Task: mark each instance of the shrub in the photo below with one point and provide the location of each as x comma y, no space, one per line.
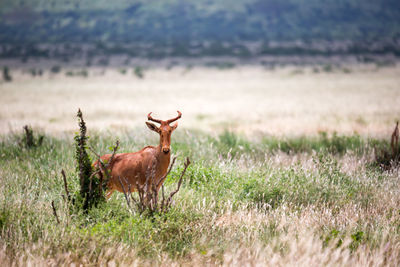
385,158
91,188
55,69
138,71
6,74
29,140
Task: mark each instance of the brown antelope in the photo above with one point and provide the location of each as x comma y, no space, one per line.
132,169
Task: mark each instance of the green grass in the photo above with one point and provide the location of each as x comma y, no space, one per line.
327,185
237,195
332,144
171,232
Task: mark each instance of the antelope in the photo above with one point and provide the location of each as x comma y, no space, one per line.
131,169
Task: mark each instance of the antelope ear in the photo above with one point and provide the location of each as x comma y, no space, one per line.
153,127
174,126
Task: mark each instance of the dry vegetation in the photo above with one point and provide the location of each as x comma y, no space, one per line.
286,101
270,191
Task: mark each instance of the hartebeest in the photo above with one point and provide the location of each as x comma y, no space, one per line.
129,170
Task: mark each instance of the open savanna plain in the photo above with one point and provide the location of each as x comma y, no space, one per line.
283,166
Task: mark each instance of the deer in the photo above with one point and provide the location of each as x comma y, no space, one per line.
142,168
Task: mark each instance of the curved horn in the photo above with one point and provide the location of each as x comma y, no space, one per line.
151,119
174,119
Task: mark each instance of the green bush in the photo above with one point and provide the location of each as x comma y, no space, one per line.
91,188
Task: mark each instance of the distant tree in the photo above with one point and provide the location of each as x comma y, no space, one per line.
6,74
55,69
138,71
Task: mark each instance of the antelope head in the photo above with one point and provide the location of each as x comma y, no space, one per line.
165,130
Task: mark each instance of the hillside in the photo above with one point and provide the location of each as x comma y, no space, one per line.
189,25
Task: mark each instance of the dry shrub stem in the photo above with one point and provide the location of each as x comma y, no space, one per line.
148,193
125,194
103,168
65,185
168,203
394,142
55,212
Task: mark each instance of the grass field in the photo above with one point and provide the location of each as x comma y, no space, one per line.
283,167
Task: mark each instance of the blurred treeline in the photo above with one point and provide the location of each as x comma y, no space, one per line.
202,27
